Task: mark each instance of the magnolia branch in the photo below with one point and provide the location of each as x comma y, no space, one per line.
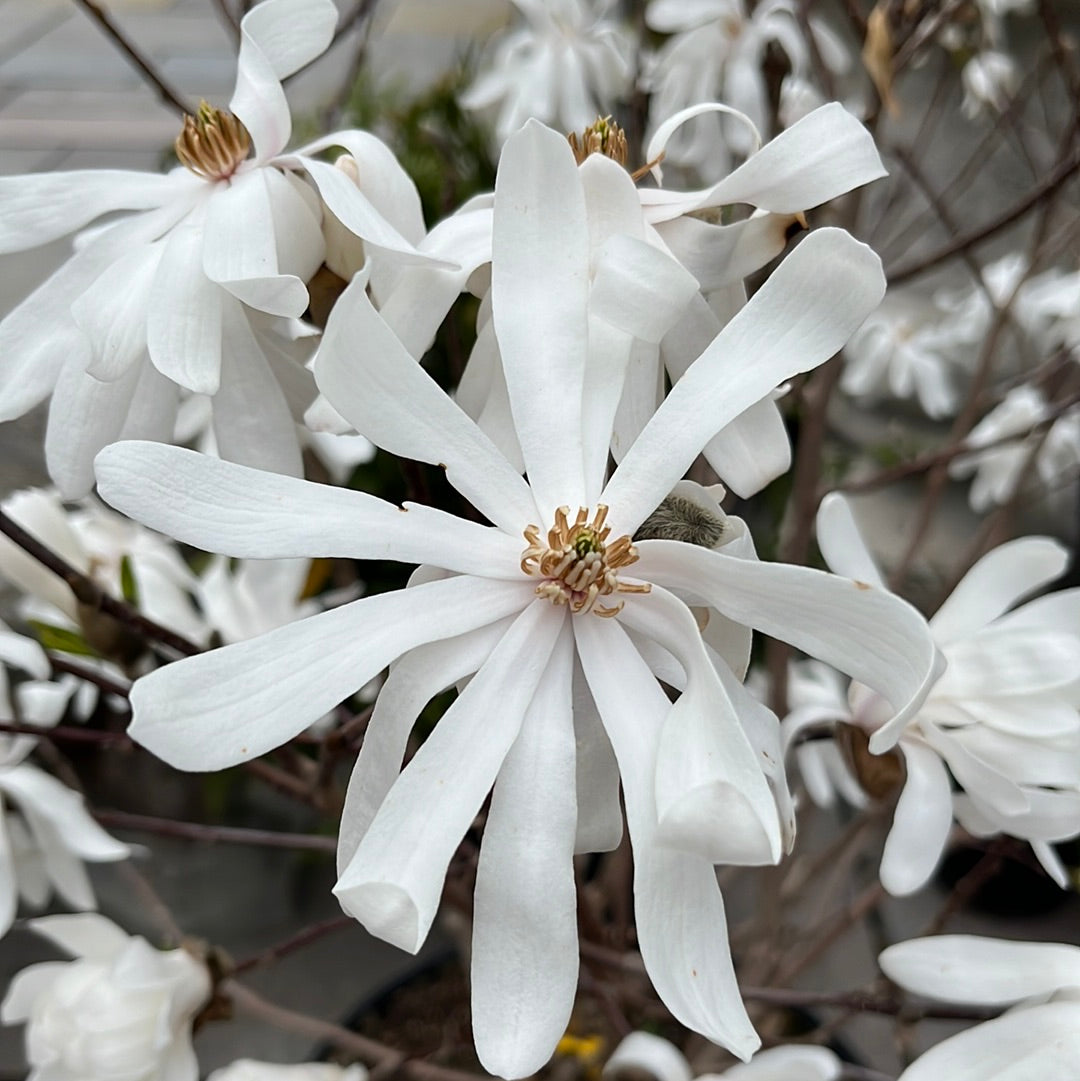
89,593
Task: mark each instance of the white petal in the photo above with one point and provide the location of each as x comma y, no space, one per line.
45,206
183,329
222,507
711,794
653,1054
869,634
394,881
389,398
252,421
823,155
239,248
1008,662
84,416
113,311
610,350
981,971
798,319
25,988
679,912
752,451
524,944
291,33
9,898
540,293
85,935
235,703
999,580
921,823
1029,1045
22,652
842,544
414,680
788,1064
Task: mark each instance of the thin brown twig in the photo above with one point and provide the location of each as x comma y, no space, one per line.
107,683
89,593
212,834
296,942
67,733
94,10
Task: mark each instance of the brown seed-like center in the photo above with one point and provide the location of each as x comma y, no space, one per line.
577,564
212,143
607,138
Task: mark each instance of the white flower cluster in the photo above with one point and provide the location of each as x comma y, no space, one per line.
592,607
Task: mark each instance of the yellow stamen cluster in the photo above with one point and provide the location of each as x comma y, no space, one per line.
212,143
603,137
577,564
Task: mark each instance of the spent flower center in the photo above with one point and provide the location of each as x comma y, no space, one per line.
212,143
578,564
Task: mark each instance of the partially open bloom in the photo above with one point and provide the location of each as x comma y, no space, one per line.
1002,718
568,62
1005,446
642,1052
121,1010
45,830
1038,1038
196,291
561,618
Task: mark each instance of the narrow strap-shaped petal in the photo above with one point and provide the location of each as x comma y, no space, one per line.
865,632
27,985
9,899
524,943
236,703
656,1056
799,318
1028,1045
223,507
1001,579
239,248
981,971
414,680
825,154
921,823
85,934
679,913
45,206
394,880
389,398
252,421
711,795
842,544
795,1063
183,329
599,817
540,293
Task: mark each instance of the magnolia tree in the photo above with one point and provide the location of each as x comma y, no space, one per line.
450,512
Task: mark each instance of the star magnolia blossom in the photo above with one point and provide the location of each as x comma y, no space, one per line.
121,1010
825,155
45,831
568,63
642,1052
197,290
1038,1038
1002,717
246,1069
715,53
545,608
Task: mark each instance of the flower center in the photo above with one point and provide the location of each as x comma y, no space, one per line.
577,564
212,143
607,138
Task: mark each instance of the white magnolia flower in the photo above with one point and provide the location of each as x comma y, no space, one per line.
195,291
120,556
569,62
642,1052
246,1069
990,79
45,831
121,1010
1039,1038
1002,719
906,348
715,53
545,608
1001,468
633,231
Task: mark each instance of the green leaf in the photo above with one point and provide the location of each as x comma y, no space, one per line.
62,639
129,588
